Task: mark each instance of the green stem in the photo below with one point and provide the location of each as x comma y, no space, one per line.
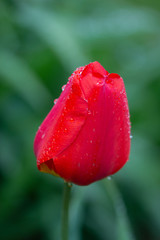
65,210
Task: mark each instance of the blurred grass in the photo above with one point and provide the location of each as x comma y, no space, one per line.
41,43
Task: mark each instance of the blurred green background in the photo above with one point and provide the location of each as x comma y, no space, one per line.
41,44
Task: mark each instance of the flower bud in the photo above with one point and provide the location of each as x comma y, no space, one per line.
86,135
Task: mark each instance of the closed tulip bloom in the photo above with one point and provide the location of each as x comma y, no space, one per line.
86,135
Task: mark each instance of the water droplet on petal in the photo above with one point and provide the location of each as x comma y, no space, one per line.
43,136
89,112
109,178
94,129
39,129
91,141
63,87
55,101
131,136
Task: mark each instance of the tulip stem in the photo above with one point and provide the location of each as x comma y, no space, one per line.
65,210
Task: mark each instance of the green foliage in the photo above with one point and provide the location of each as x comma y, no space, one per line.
41,44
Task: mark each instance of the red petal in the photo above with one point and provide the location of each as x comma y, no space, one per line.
103,144
62,125
92,75
86,136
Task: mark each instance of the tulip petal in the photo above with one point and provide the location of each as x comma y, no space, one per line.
92,75
103,144
86,136
61,126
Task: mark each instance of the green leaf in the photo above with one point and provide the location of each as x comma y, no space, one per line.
16,73
54,30
124,231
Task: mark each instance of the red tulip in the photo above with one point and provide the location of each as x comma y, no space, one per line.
86,135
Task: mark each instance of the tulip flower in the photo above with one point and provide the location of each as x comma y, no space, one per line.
86,135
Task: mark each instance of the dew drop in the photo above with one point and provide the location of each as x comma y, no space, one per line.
131,136
55,101
89,112
63,87
109,178
94,129
43,136
91,141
